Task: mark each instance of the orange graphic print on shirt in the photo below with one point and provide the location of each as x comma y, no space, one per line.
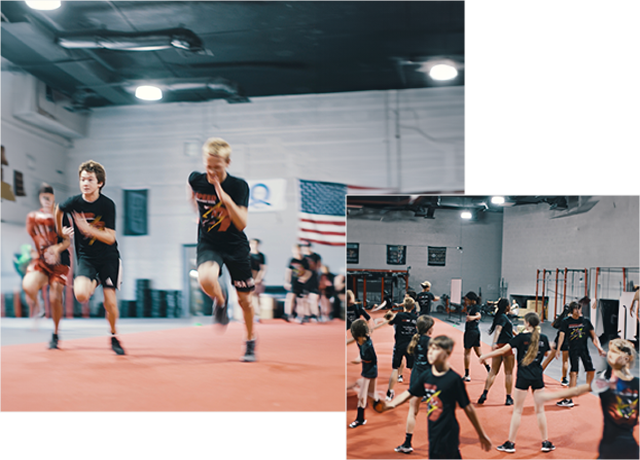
434,404
215,215
95,222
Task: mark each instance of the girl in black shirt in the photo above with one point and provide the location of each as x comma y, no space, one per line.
532,347
503,334
418,347
360,332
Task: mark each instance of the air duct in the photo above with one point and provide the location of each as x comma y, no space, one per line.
179,38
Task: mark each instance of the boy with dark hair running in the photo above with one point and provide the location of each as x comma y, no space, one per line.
52,265
94,222
443,388
222,201
576,329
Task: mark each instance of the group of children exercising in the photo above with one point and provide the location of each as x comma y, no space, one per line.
434,382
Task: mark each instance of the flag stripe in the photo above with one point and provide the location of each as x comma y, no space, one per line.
322,232
320,218
315,236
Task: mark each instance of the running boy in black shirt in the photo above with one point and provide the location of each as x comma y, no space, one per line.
443,387
360,332
405,328
576,329
94,222
222,201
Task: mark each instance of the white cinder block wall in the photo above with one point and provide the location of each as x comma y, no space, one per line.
40,157
478,264
346,137
605,236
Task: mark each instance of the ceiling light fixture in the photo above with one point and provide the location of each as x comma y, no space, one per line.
44,5
149,93
466,215
443,72
497,200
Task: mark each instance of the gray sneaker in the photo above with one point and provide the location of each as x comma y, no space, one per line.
250,353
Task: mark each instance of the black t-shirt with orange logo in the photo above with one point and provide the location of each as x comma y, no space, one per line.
215,225
99,214
442,392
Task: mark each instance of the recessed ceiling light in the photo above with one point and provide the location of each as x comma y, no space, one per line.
497,200
45,5
466,215
149,93
443,72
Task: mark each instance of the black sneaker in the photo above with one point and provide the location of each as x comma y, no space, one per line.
509,401
220,315
53,344
507,447
565,403
390,395
250,353
400,379
115,346
482,399
467,378
357,423
285,317
547,446
404,449
565,382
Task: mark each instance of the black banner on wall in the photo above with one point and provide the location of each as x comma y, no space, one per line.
437,256
353,253
396,255
135,212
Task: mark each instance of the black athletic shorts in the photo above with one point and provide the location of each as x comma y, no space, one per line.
524,383
400,350
471,338
107,272
576,355
297,288
565,342
312,286
239,267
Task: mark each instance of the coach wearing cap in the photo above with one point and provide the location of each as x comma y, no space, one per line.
425,298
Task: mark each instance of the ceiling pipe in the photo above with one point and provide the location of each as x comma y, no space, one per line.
178,38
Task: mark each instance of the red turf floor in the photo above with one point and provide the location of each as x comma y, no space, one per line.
574,431
299,368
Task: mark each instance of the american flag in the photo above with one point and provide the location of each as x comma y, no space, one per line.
322,212
322,216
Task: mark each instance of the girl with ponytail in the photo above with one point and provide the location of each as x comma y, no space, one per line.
504,332
532,346
418,348
564,347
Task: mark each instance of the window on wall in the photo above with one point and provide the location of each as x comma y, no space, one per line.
396,255
353,253
436,256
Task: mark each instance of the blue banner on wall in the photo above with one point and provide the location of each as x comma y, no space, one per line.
135,212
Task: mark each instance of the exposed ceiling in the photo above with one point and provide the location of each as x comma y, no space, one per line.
96,53
412,207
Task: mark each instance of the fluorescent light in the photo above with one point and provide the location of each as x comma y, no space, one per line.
466,214
497,200
46,5
443,72
193,273
149,93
